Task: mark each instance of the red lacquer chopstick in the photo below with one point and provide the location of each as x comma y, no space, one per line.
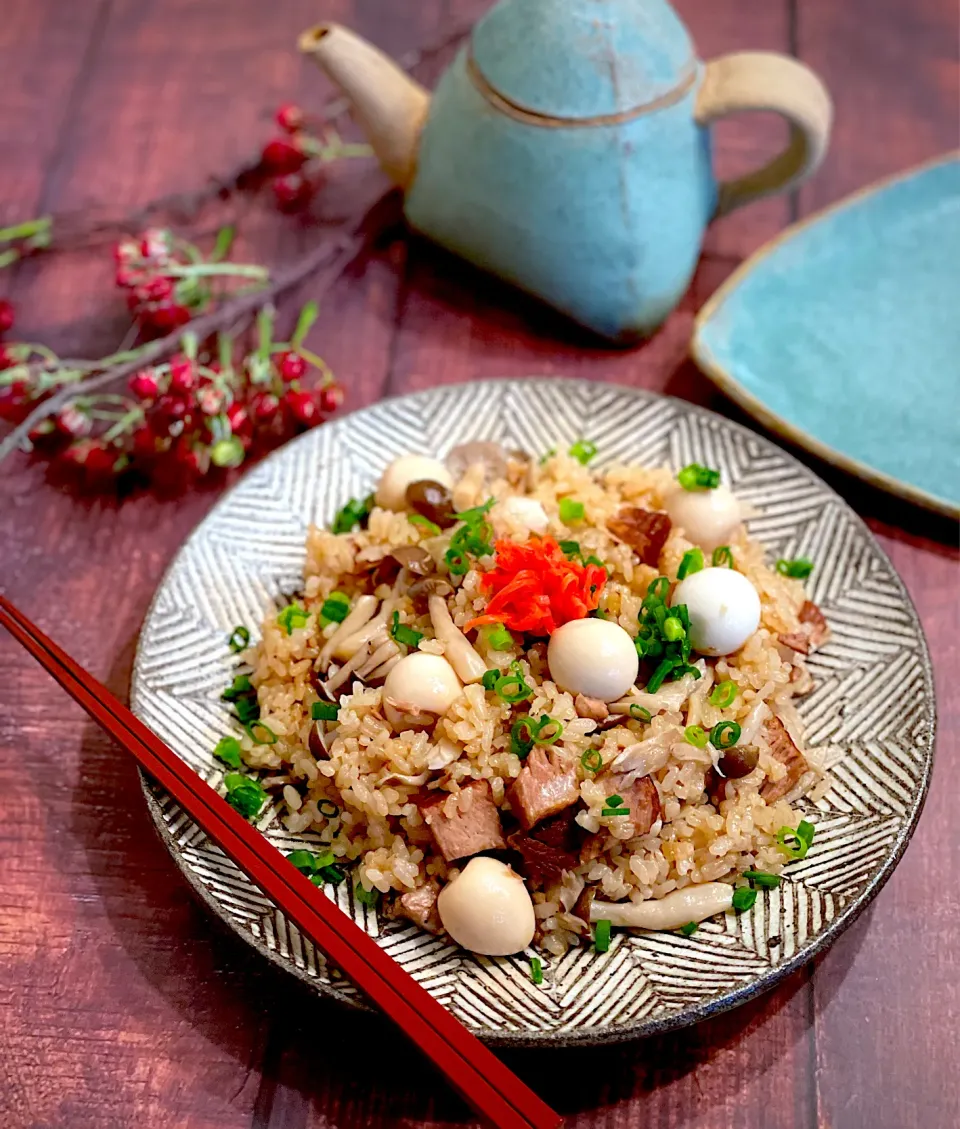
491,1089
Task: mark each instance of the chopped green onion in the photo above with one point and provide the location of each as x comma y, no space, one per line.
722,557
333,874
689,929
795,844
403,634
660,674
614,801
614,811
762,879
571,511
536,971
354,513
476,514
366,897
309,863
228,750
592,760
335,608
696,735
640,712
324,711
248,709
523,734
456,562
489,680
571,548
429,527
697,477
798,569
239,638
658,589
725,734
549,730
744,898
245,794
268,737
583,451
242,686
499,638
601,936
328,809
692,562
291,617
723,694
549,455
512,687
594,560
672,629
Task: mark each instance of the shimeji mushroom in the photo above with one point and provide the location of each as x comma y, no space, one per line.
457,648
361,612
401,473
692,903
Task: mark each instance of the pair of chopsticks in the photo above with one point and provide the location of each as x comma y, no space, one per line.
480,1077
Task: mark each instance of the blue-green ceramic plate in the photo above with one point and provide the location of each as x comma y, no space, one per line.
843,335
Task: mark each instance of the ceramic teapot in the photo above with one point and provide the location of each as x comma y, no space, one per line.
567,148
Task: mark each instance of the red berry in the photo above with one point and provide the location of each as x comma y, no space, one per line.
14,401
126,251
100,463
7,357
239,420
72,422
6,315
158,288
144,384
211,399
144,443
293,192
166,315
282,156
183,378
171,410
155,243
291,366
127,277
290,117
302,407
264,406
330,398
45,431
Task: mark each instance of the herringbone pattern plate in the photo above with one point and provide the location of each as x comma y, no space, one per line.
248,555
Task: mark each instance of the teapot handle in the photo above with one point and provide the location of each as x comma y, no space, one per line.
764,80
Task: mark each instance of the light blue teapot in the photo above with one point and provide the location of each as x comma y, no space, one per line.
567,148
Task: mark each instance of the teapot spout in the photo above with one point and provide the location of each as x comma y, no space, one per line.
388,105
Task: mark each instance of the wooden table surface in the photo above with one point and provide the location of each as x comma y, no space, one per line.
121,1003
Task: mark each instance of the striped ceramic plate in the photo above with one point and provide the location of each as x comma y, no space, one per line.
247,556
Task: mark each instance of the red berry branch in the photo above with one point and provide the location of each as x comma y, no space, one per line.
191,397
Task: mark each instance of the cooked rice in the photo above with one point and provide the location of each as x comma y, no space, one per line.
374,776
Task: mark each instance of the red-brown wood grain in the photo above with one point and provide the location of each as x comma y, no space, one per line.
121,1003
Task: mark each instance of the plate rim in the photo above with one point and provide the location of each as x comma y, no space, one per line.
686,1016
706,360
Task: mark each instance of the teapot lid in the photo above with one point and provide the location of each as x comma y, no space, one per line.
579,59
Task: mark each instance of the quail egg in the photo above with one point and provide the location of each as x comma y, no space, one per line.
708,517
487,909
419,689
593,657
724,609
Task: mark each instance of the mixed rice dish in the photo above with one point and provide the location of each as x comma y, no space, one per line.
521,702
